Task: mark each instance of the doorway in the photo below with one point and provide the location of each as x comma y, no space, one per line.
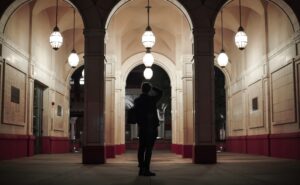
38,117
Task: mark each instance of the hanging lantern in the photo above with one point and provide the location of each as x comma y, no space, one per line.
148,73
241,39
148,59
148,38
73,59
222,59
55,39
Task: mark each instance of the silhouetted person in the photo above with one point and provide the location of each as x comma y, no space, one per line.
148,122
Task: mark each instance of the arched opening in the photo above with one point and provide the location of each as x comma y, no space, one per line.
160,80
172,52
220,109
77,108
257,75
38,74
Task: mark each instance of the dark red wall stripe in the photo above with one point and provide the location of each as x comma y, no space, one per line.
276,145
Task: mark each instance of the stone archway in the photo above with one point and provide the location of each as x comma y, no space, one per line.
168,66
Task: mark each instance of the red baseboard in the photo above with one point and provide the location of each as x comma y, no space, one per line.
110,151
30,150
52,145
15,146
236,144
176,148
120,149
258,145
275,145
285,145
187,151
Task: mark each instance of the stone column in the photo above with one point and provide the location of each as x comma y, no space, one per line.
110,109
204,147
93,150
188,100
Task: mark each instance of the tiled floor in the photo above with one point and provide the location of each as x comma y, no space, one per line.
171,169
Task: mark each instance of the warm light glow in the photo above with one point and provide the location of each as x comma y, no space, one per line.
56,40
222,59
148,73
148,38
148,59
73,59
81,81
241,39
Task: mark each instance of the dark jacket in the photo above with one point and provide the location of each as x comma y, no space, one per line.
146,114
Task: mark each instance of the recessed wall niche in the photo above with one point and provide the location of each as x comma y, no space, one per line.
254,104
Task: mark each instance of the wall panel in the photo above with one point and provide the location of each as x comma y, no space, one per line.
283,102
14,110
255,102
238,113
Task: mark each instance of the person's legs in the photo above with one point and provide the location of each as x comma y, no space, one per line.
148,155
141,156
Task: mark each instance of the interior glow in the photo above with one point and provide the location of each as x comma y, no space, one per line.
56,40
148,59
241,39
73,59
148,73
222,59
148,38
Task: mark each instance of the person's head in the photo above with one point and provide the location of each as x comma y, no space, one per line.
146,87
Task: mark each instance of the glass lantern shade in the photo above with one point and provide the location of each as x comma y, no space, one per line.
148,38
241,39
73,59
148,59
148,73
56,40
222,59
82,73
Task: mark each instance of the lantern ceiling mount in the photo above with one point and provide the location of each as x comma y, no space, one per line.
241,38
56,39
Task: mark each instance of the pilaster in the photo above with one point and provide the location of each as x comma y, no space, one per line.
204,146
93,151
